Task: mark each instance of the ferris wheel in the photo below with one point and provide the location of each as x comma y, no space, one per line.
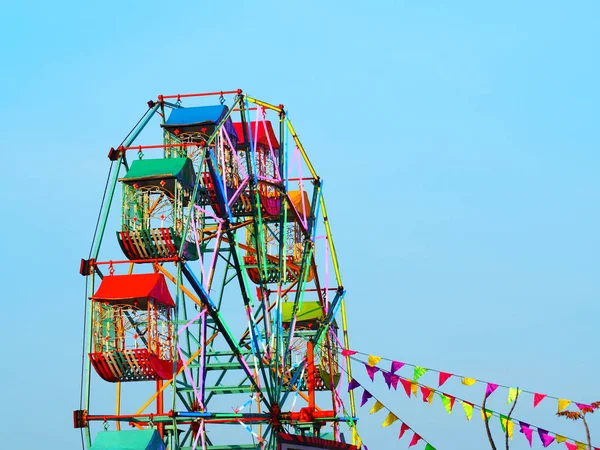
221,295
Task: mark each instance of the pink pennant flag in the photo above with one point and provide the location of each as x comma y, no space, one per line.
489,390
406,385
527,431
537,398
426,391
545,437
585,408
416,438
348,352
571,446
371,370
403,429
444,377
365,397
396,366
353,384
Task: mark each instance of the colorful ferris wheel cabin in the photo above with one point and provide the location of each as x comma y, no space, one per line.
156,196
132,331
324,359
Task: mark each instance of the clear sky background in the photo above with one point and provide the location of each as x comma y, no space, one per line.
458,142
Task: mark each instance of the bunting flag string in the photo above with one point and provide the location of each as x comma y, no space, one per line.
411,388
390,417
419,371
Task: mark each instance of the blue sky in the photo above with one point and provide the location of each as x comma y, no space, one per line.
458,142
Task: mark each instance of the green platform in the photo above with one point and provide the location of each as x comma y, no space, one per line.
128,440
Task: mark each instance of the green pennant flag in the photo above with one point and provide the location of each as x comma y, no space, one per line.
447,403
468,410
503,420
429,447
512,394
419,372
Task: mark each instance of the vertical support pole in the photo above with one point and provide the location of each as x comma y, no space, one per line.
88,349
310,355
118,405
159,405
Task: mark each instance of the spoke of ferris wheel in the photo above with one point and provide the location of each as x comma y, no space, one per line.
107,201
304,268
219,321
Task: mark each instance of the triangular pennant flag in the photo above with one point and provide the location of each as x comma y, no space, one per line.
387,376
430,397
416,438
425,391
443,378
373,360
348,352
376,407
414,386
527,431
390,419
365,397
468,407
403,429
419,372
580,445
491,387
468,381
570,446
537,398
448,402
353,384
371,371
512,394
406,385
395,379
562,404
396,366
545,437
560,438
507,425
584,407
485,415
429,447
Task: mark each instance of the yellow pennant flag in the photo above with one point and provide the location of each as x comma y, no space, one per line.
562,404
376,407
512,394
581,445
468,381
560,438
390,419
373,360
468,410
430,396
413,387
486,415
507,425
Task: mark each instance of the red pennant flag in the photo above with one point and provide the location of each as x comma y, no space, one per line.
406,386
451,400
537,398
403,429
416,438
348,352
444,377
426,391
571,446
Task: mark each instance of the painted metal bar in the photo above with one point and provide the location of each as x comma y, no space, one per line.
113,181
279,108
202,94
301,148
